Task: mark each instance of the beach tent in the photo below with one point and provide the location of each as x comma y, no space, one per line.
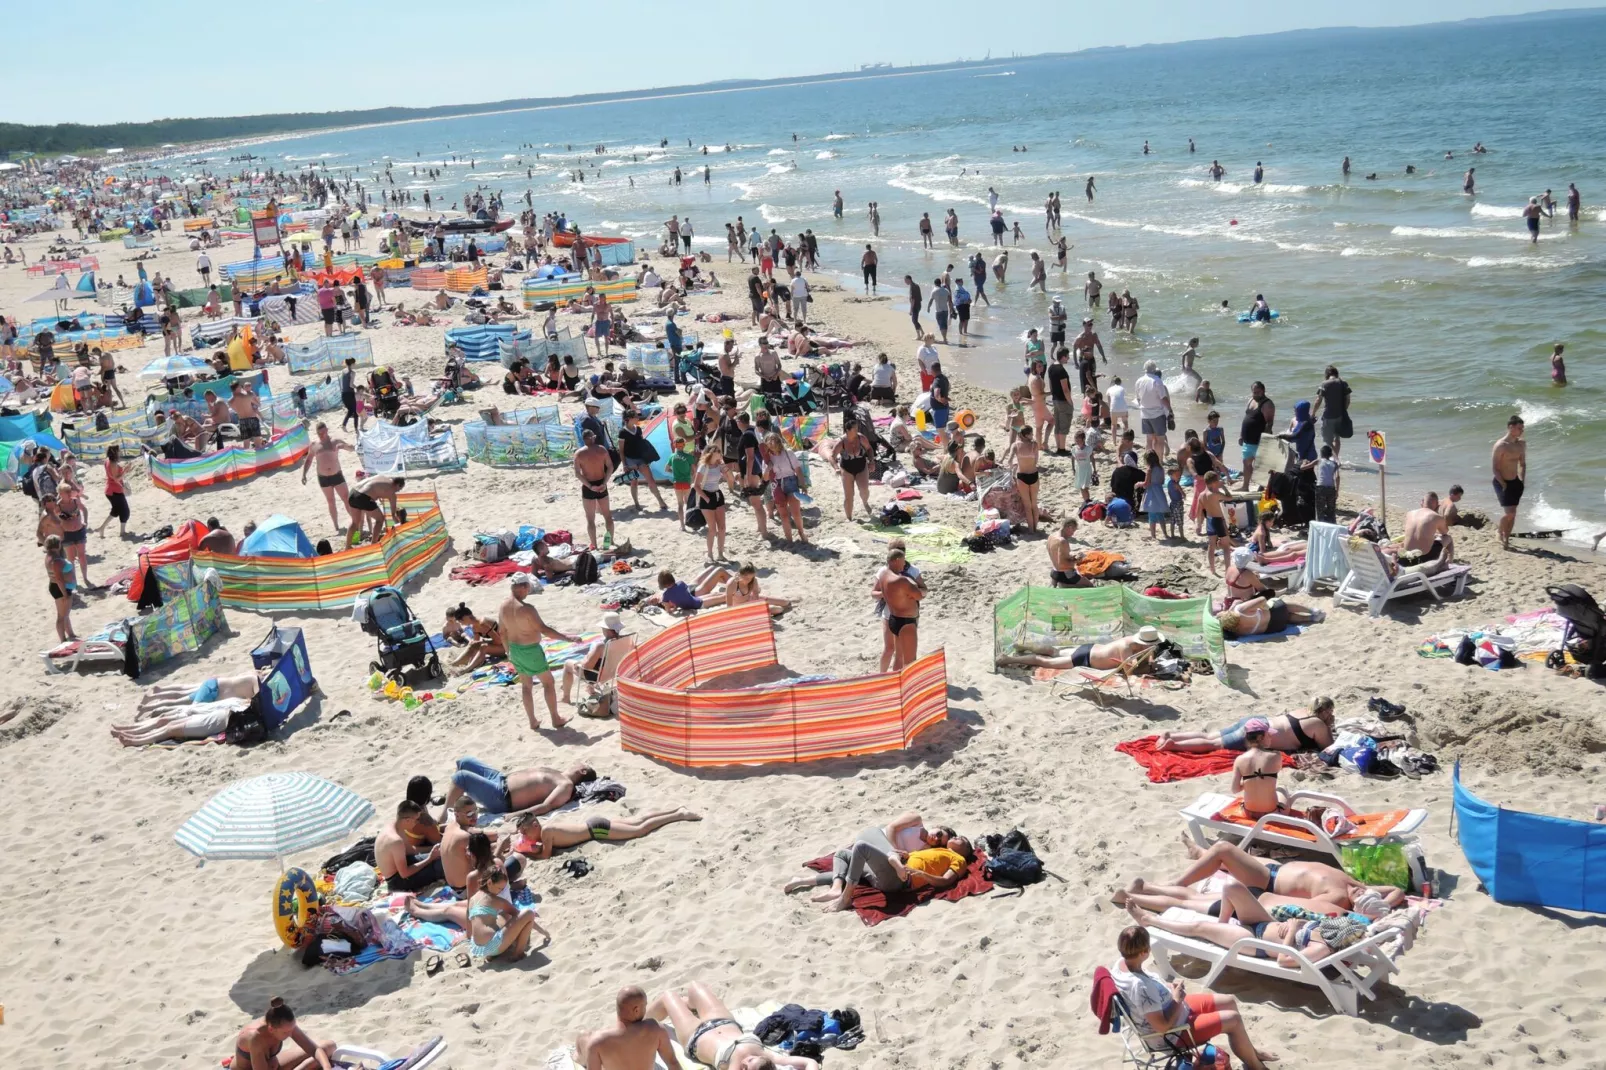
27,425
1053,616
1532,858
278,536
86,285
175,549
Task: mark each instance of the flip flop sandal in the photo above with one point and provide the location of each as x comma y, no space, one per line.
463,960
433,965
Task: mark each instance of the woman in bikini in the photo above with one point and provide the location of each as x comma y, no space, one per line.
487,644
1254,772
1023,453
948,472
496,928
1302,932
706,478
1041,420
540,838
705,1028
1289,733
275,1042
72,520
60,571
744,589
1265,616
852,460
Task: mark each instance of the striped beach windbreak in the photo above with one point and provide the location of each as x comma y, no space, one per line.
231,463
661,715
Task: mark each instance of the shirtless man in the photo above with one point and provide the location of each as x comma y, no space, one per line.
247,409
1109,655
1299,880
522,629
538,790
902,596
364,502
1091,290
1427,538
1084,344
218,539
455,859
1449,509
402,872
593,467
325,453
1062,559
1509,462
218,414
631,1042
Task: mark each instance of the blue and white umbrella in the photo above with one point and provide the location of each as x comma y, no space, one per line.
175,366
272,816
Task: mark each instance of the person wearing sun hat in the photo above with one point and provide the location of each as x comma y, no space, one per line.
1111,655
591,667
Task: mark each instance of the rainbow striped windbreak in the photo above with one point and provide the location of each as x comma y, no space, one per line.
303,584
232,463
660,716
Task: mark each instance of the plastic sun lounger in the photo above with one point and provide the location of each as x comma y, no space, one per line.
1344,977
1368,579
424,1055
1285,830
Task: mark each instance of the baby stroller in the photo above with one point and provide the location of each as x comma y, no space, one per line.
883,457
403,640
1585,634
796,398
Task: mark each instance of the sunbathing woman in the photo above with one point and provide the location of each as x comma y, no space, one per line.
275,1042
1265,616
705,1028
171,697
1289,733
907,832
1315,939
931,867
537,840
1242,582
483,856
497,928
744,589
1254,772
1227,899
485,646
1109,655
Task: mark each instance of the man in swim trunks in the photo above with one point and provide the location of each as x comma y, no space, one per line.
402,871
1109,655
593,467
171,697
902,622
705,1028
522,630
538,790
537,839
325,453
1428,544
1298,880
1062,559
1509,462
632,1042
367,514
1258,417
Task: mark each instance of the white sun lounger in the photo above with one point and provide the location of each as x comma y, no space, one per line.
1355,971
1367,578
420,1057
1201,816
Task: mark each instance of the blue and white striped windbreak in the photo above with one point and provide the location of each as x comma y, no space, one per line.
273,816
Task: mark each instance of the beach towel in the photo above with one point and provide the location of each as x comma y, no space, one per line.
874,907
1366,825
395,943
1098,562
1291,630
1167,766
486,572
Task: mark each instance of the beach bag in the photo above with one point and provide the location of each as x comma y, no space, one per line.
1092,512
585,569
602,704
1015,867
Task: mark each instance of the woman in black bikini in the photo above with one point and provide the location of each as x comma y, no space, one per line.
948,472
1308,732
1252,770
852,460
275,1042
486,645
1024,452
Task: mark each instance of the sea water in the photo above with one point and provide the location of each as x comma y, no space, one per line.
1433,305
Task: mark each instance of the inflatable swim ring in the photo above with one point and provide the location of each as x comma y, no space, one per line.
295,901
1249,317
966,419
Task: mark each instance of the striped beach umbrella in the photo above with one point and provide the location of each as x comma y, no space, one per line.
272,816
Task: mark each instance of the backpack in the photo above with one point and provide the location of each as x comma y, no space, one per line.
585,569
1011,860
1092,511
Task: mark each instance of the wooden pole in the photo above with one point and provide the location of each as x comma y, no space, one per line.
1383,494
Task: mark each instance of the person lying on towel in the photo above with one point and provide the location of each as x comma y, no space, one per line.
934,867
1109,655
1265,616
1288,732
189,711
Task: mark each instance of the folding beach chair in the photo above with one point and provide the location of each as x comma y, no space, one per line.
1144,1048
1375,580
1344,977
426,1054
1123,681
1222,814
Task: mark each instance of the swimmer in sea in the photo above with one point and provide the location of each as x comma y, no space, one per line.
1467,181
1558,367
1189,354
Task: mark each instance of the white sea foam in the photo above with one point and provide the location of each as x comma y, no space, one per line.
771,214
825,154
836,137
1467,232
1279,187
778,152
779,168
1538,263
1179,232
1496,211
1546,517
747,190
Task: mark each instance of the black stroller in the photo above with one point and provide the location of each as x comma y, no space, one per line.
1585,634
403,641
883,458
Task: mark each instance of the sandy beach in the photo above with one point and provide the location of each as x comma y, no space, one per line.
125,952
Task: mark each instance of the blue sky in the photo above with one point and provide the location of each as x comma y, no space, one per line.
190,62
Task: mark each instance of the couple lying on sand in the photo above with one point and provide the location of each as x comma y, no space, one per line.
899,856
190,711
697,1018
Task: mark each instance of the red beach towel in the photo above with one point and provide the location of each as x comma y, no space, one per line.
486,572
875,907
1169,765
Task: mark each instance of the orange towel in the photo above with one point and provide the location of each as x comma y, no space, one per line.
1097,562
1366,825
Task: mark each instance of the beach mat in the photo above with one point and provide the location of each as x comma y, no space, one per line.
1164,767
875,907
1291,630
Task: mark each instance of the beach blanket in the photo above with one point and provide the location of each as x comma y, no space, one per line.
486,572
1291,630
1536,633
1098,562
875,907
1167,766
934,544
1366,825
395,943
